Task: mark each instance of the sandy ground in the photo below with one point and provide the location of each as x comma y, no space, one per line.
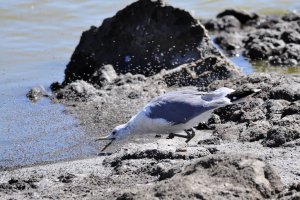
103,177
247,150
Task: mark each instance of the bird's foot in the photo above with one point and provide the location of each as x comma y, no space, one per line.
171,136
104,154
188,135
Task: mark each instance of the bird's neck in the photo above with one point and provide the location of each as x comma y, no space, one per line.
131,126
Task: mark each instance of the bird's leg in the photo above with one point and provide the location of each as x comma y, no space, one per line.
172,135
189,135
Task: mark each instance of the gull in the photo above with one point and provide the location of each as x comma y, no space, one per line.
172,113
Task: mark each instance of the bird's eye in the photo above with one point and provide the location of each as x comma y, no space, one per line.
114,132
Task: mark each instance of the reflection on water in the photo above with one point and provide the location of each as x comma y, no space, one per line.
265,67
243,64
37,39
39,132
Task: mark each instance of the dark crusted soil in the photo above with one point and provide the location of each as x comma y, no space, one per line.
274,39
271,115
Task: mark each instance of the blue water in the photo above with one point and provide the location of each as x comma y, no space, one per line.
37,132
244,64
40,132
37,39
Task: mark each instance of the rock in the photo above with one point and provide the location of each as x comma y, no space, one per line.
278,135
286,91
290,36
255,131
293,192
229,131
259,49
55,86
230,20
200,73
36,93
225,23
293,143
291,17
216,177
268,22
229,42
274,108
104,75
79,91
280,61
271,38
293,108
242,15
228,113
16,184
292,51
143,38
271,114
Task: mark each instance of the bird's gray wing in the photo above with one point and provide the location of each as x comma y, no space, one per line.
178,107
181,106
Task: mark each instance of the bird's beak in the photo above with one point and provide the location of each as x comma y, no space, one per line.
106,138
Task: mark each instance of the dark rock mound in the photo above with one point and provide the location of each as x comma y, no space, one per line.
216,177
144,38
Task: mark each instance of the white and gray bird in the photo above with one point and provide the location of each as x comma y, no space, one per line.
173,112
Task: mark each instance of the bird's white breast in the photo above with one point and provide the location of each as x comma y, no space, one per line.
141,123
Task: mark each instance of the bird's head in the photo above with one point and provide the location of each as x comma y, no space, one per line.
118,132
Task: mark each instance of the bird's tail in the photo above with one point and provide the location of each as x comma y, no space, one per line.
239,95
217,94
218,97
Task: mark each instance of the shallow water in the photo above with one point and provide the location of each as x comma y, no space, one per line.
37,39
